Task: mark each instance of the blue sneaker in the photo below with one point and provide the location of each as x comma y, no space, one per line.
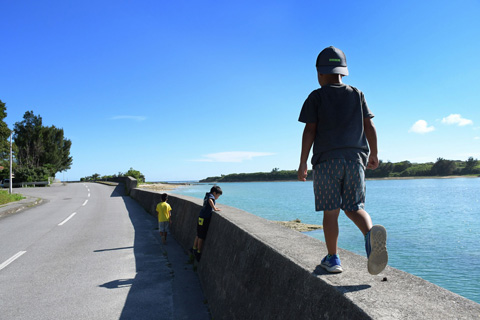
331,263
376,247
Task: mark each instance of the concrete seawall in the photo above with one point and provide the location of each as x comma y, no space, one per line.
129,182
252,268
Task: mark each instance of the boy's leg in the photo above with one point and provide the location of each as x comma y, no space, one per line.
195,243
199,245
166,229
330,230
353,200
331,262
327,179
375,240
194,248
362,220
197,253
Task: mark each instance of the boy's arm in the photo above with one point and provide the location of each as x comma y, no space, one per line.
371,134
307,141
210,201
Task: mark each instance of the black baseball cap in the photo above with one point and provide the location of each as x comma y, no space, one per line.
332,61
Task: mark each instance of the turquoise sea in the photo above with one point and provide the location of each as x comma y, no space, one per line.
433,224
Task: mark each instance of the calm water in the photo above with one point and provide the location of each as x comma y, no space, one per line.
433,224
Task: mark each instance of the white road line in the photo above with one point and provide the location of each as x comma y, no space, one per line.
15,257
69,217
83,205
89,195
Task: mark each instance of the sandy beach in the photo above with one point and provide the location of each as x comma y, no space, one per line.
161,186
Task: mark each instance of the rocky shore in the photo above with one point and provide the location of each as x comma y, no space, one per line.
299,226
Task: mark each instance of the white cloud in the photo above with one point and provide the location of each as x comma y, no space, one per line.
456,119
421,126
476,138
233,156
136,118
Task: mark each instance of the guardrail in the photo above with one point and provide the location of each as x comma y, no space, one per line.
25,184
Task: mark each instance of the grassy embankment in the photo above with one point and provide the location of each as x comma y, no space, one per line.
5,197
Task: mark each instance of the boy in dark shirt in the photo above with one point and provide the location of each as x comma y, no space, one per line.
204,219
339,125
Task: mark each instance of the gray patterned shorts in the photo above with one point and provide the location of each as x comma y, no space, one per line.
339,183
164,226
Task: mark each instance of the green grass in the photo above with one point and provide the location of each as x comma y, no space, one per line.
5,197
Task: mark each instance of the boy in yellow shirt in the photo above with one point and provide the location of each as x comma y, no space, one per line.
164,217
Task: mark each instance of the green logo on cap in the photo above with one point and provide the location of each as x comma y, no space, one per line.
334,60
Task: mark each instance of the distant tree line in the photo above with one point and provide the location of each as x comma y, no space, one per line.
130,173
274,175
39,151
441,167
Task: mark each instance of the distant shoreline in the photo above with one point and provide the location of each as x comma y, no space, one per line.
159,186
424,177
380,178
441,169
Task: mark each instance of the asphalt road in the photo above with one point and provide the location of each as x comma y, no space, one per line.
89,252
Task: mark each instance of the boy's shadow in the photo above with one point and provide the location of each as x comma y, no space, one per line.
343,289
115,284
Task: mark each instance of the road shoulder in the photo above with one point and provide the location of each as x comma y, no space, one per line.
21,205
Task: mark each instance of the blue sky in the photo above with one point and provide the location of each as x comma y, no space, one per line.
184,90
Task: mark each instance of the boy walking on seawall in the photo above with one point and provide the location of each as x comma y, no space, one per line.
338,123
204,218
164,217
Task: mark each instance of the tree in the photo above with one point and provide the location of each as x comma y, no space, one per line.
384,169
470,165
135,174
41,149
4,142
57,149
443,167
28,138
26,174
401,166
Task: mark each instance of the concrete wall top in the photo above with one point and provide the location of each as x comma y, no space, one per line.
129,182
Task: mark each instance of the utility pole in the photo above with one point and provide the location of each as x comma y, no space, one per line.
11,158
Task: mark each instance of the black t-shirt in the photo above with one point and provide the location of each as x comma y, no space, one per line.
338,110
207,209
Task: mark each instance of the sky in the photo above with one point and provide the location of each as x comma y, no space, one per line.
184,90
